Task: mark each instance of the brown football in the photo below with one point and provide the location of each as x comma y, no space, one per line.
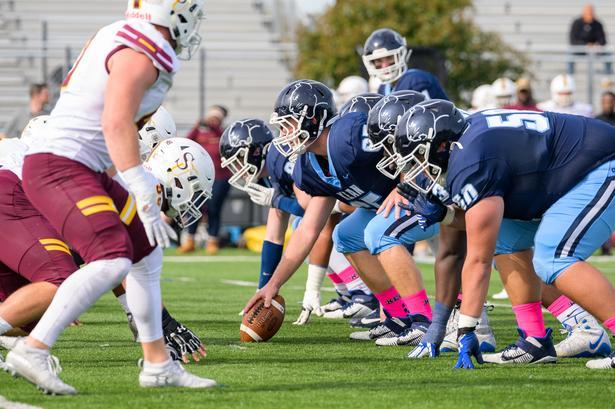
260,323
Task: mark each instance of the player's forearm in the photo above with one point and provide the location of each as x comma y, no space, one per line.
121,140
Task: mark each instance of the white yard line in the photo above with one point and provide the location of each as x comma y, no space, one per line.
7,404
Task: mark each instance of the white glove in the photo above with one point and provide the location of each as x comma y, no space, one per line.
311,304
148,198
260,195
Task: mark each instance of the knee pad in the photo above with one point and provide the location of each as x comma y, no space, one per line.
115,270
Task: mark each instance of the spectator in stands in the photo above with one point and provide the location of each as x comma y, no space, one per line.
525,101
39,98
608,108
207,133
588,31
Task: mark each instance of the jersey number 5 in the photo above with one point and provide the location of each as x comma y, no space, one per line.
504,118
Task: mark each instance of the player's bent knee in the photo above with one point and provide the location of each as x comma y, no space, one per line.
549,268
115,270
376,240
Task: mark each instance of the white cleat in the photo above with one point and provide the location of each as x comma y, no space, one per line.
586,339
449,344
8,343
603,363
38,367
352,310
335,304
484,333
171,375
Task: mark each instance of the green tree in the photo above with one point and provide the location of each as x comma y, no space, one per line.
327,49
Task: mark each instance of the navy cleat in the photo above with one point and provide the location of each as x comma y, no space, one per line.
410,336
336,303
370,321
360,305
527,350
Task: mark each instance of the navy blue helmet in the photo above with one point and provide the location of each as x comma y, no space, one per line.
424,138
360,103
243,149
381,124
381,44
301,111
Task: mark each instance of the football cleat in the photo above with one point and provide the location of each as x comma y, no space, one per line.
449,344
502,295
389,328
360,305
527,350
586,339
171,374
38,367
484,333
370,321
8,343
603,363
409,336
335,304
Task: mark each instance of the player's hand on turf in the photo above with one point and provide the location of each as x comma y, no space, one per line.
310,305
186,343
468,348
261,195
425,349
394,201
266,294
148,197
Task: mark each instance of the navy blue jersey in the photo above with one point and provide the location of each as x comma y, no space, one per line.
280,171
416,80
529,159
349,172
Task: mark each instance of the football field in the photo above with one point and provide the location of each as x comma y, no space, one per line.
315,366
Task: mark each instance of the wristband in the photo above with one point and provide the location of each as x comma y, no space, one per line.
465,321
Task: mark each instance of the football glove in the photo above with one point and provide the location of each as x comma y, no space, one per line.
261,195
424,349
182,340
468,348
427,207
311,304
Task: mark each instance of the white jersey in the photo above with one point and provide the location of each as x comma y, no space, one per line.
12,152
74,128
577,108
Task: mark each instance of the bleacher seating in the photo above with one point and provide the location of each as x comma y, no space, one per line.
540,29
244,60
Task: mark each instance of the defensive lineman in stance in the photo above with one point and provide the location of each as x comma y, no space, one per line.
120,77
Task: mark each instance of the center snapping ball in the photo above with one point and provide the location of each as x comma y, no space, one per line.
259,324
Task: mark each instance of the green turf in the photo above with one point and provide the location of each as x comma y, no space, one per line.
315,366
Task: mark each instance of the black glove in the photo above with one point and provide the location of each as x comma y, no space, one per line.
181,339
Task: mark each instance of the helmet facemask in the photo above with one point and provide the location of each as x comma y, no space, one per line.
183,207
292,140
416,164
392,72
244,173
388,164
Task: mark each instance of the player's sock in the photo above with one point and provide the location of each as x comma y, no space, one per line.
530,320
270,258
4,326
77,293
123,302
143,294
392,303
437,330
610,324
339,285
418,303
567,311
314,278
353,282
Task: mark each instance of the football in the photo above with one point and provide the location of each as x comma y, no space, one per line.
259,324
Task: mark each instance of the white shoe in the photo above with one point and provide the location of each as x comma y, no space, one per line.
502,295
449,344
352,310
604,363
484,333
8,343
38,367
586,339
172,374
336,304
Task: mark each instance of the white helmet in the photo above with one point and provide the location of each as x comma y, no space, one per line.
349,87
562,90
160,126
28,135
482,98
181,17
187,173
503,91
